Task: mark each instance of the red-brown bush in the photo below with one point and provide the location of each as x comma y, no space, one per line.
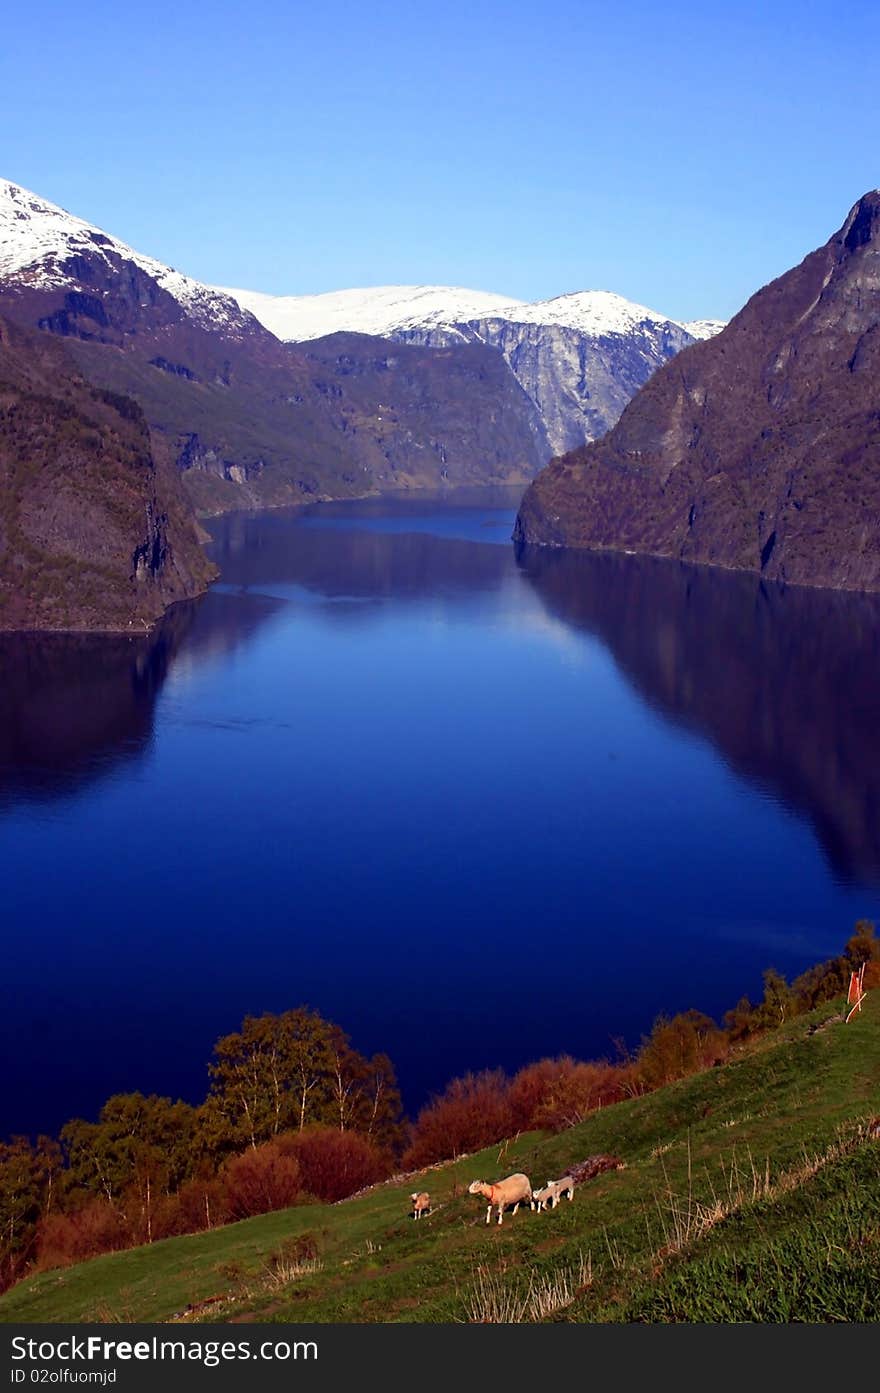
99,1227
529,1088
197,1205
334,1164
261,1179
871,979
203,1204
472,1112
580,1087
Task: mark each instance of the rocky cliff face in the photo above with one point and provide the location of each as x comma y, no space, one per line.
579,357
758,449
579,383
94,529
411,417
250,421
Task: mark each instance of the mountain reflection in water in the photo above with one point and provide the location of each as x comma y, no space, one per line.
383,744
785,682
74,706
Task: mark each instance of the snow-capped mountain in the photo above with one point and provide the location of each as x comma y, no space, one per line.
704,328
580,357
380,310
386,310
250,421
42,248
488,386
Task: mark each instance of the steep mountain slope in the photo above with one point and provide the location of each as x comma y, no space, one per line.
43,248
94,530
251,421
751,1192
579,357
759,449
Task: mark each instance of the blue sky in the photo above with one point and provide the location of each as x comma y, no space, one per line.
681,154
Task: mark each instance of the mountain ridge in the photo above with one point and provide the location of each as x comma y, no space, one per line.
257,415
249,421
758,449
40,243
386,310
579,357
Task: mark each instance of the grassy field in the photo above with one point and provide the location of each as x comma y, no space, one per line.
751,1193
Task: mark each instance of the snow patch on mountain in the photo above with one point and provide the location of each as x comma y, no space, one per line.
396,309
579,357
379,310
595,313
703,328
39,244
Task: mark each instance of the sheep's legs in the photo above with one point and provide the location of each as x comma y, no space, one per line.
489,1214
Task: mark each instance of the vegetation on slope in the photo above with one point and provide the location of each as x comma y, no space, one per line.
94,531
750,1192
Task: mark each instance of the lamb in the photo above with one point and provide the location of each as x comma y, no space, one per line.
564,1186
515,1190
552,1193
541,1199
421,1203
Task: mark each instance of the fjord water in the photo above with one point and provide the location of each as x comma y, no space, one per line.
476,808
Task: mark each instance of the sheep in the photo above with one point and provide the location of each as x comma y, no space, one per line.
542,1198
421,1203
549,1197
564,1186
515,1190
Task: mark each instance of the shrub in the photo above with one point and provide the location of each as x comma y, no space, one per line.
530,1088
334,1164
197,1205
678,1047
472,1112
579,1089
557,1093
261,1179
872,975
300,1247
740,1022
863,946
203,1204
99,1227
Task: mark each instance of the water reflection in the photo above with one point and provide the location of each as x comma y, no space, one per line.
785,682
74,707
380,740
276,550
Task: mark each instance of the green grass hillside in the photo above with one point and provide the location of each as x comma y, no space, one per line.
751,1192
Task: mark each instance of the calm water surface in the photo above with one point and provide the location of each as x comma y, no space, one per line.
474,808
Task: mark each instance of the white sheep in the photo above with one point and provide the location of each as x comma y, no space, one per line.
421,1203
542,1198
549,1197
564,1186
515,1190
